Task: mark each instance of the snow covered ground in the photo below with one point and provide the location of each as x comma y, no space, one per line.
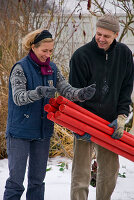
58,180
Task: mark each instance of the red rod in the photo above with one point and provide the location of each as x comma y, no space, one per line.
63,100
113,148
49,108
128,134
94,132
51,117
116,150
53,102
92,122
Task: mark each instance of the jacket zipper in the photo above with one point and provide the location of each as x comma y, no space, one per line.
106,58
42,111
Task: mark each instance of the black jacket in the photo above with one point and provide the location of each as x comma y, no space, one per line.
111,70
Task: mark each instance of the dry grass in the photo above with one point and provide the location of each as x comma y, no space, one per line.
3,151
61,142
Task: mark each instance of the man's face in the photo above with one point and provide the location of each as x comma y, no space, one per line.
104,38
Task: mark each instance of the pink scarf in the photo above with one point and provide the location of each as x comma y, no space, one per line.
45,67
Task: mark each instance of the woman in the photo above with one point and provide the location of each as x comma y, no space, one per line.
33,80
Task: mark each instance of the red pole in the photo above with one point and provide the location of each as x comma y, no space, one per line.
92,122
113,148
128,134
53,102
116,150
51,117
62,100
94,132
49,108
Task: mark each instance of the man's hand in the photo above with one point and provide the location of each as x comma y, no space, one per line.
87,93
86,137
118,125
132,130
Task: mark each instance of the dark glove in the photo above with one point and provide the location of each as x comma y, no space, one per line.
46,91
118,125
87,93
85,137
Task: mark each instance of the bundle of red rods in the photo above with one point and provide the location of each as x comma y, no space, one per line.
79,120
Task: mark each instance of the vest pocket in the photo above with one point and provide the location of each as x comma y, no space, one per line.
21,115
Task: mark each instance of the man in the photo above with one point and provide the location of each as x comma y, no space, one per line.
109,65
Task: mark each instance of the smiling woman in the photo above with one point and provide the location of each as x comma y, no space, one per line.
44,51
33,81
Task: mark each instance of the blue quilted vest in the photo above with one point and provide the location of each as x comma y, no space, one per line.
30,121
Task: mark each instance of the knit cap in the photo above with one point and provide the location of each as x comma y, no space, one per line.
109,22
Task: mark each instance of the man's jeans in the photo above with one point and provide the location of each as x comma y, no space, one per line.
18,152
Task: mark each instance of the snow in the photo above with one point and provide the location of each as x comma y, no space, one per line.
58,182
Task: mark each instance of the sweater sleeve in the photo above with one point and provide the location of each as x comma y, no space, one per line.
18,84
127,87
65,89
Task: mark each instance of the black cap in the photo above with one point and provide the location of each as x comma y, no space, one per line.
41,36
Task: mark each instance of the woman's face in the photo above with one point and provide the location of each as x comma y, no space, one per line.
44,51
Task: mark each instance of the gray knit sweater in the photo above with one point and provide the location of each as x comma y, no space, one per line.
22,97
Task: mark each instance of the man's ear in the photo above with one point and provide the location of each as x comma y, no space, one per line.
116,35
